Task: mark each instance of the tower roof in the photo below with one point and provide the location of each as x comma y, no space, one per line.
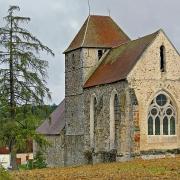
99,32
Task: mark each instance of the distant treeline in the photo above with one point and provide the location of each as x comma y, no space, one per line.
41,112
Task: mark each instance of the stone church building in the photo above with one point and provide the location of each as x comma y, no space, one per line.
122,97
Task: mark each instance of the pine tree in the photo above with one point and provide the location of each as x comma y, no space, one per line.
22,76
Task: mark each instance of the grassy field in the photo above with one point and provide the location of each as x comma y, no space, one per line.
168,168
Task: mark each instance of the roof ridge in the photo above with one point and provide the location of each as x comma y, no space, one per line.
85,30
114,47
156,32
120,61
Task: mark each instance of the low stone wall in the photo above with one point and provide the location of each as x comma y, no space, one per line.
157,154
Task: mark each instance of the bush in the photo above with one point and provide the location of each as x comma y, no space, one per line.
89,156
38,162
22,167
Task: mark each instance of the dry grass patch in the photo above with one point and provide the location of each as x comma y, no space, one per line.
168,168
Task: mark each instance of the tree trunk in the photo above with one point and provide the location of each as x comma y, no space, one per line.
13,163
11,68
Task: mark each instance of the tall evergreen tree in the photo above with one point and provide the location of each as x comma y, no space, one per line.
22,76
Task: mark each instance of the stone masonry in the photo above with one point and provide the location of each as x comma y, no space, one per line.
106,108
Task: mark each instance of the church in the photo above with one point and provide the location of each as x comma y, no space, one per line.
122,98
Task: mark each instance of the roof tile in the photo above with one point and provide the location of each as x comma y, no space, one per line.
55,123
119,62
98,31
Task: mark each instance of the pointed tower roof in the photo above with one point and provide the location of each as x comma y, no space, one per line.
99,32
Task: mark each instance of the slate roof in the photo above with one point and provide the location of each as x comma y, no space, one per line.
98,31
119,62
55,123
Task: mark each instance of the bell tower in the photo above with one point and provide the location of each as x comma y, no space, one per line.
97,35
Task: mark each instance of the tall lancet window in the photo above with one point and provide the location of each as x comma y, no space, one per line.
114,120
93,121
162,59
116,108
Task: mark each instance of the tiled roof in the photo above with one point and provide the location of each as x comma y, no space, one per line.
119,62
98,31
4,150
55,123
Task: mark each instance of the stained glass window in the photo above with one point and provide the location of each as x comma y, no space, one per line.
161,100
161,116
150,126
165,126
172,126
157,126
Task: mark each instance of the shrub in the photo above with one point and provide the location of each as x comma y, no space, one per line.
38,162
88,154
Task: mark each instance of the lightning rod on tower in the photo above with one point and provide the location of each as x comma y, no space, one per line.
109,12
89,7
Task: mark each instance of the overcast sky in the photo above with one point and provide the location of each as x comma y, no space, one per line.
56,22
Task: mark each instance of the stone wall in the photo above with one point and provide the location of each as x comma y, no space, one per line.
147,80
74,150
74,92
64,150
91,61
54,154
78,65
102,117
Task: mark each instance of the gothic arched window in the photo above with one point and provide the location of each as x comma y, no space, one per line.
117,117
114,119
93,121
116,108
161,116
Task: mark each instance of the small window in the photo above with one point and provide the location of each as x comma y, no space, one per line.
73,61
73,56
162,59
100,53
